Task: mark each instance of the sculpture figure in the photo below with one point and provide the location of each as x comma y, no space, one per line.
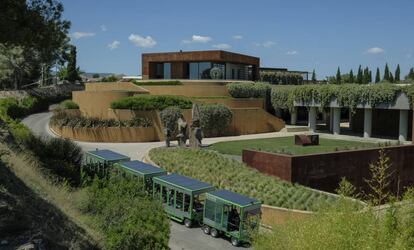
196,133
167,134
182,129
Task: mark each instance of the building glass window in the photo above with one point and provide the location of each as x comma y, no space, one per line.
204,70
167,70
193,71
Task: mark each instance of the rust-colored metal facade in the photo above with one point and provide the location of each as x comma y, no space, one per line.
180,60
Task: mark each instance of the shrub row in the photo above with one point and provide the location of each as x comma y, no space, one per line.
157,83
248,90
347,95
62,119
128,217
281,78
150,102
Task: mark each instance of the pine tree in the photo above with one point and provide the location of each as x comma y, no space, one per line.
351,77
377,76
360,77
72,70
338,76
314,76
386,73
397,74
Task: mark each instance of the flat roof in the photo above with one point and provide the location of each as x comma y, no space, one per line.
184,182
141,167
235,198
108,155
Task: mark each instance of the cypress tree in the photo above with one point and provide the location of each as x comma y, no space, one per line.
366,76
410,74
386,73
351,77
360,76
314,76
377,76
397,73
391,77
71,68
370,77
338,76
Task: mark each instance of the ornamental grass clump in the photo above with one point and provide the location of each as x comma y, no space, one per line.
221,172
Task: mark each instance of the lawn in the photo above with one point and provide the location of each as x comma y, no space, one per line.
221,172
286,145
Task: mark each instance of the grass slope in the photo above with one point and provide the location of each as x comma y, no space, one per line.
211,167
287,145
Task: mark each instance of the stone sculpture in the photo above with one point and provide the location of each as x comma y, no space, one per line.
182,132
196,133
167,134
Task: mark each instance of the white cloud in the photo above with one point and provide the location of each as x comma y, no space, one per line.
103,28
222,46
266,44
292,53
78,35
114,45
237,37
144,42
198,39
375,50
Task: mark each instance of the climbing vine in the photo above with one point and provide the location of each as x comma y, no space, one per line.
346,95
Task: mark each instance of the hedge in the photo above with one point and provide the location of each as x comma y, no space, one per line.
214,119
281,78
248,90
156,83
169,118
150,102
69,104
347,95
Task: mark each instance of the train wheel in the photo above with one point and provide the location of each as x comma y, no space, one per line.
214,232
188,223
235,242
206,229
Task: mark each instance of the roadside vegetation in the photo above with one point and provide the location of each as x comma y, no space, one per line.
286,145
151,102
221,172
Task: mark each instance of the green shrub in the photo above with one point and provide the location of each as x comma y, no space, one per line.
21,134
221,172
214,119
10,109
157,83
248,90
126,215
281,78
63,119
111,78
69,104
150,102
169,118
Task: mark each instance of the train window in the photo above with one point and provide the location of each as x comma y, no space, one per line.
197,204
186,203
210,208
157,190
171,198
164,194
179,199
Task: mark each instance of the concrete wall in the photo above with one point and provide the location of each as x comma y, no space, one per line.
253,121
115,134
324,171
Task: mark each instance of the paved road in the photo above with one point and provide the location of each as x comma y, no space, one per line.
181,238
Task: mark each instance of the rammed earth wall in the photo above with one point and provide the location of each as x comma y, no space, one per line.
324,171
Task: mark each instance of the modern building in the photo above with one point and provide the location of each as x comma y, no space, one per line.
196,65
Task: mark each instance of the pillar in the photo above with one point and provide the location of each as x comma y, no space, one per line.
367,122
336,121
403,127
294,116
312,119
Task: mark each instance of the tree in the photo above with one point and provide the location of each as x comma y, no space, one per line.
365,76
13,66
96,75
391,77
386,73
314,76
338,76
410,75
380,179
377,76
397,74
72,70
351,77
360,77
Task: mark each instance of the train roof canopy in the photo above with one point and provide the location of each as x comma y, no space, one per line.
141,168
108,155
184,182
234,198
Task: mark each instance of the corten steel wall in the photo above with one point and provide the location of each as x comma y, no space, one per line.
109,86
324,171
233,102
116,134
188,90
196,56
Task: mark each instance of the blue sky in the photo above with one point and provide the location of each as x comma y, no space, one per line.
300,35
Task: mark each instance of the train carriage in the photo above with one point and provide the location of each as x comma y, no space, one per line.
99,162
182,197
145,172
234,215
